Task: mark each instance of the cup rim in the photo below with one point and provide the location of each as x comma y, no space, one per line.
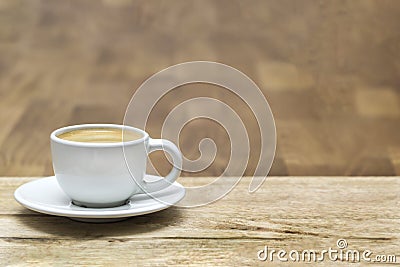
55,138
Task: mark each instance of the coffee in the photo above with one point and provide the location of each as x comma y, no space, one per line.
100,135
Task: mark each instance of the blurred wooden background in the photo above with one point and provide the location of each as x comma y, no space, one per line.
329,69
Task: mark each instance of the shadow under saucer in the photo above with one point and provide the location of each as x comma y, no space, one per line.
63,226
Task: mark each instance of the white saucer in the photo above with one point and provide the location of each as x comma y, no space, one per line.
45,196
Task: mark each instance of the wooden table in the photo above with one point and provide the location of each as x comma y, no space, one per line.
292,213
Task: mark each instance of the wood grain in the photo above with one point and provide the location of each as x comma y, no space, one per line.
286,213
329,69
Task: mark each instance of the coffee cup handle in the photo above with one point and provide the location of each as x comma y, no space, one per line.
170,148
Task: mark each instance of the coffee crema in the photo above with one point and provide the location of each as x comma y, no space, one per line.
100,135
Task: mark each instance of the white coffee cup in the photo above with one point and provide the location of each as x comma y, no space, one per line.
102,175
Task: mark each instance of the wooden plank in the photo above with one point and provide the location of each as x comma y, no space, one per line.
162,252
283,207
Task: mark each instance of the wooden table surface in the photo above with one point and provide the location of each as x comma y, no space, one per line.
293,213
